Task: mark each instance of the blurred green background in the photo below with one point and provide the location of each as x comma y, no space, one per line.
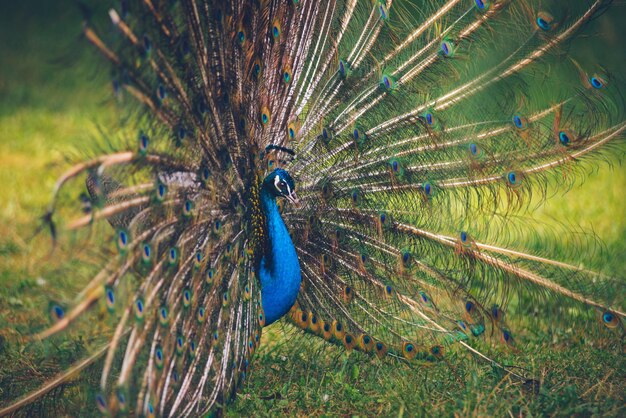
54,95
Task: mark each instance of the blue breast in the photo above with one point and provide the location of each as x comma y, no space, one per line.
279,270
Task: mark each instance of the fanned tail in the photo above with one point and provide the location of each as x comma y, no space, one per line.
402,151
420,137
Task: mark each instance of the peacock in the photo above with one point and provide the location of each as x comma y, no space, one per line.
363,169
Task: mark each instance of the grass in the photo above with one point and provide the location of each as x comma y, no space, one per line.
52,104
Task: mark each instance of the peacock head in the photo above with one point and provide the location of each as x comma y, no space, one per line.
280,184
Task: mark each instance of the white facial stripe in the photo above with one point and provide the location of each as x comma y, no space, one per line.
276,182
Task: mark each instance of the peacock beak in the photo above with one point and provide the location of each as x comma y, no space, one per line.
293,199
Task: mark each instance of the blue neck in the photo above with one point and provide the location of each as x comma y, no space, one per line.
279,270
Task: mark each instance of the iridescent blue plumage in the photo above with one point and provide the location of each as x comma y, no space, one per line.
279,269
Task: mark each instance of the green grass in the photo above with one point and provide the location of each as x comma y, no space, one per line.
52,102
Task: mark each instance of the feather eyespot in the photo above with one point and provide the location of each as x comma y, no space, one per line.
109,298
514,178
355,197
428,190
406,258
482,5
192,349
447,49
241,36
610,319
506,337
121,399
387,82
143,143
597,82
101,404
291,131
565,138
409,351
348,294
265,116
159,358
425,299
520,122
187,298
56,312
161,92
146,253
256,69
138,308
384,12
436,351
338,330
366,342
287,75
123,239
172,256
497,313
344,69
197,259
388,290
381,349
327,134
188,208
396,167
348,341
428,119
180,344
163,316
160,192
201,315
276,31
544,21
